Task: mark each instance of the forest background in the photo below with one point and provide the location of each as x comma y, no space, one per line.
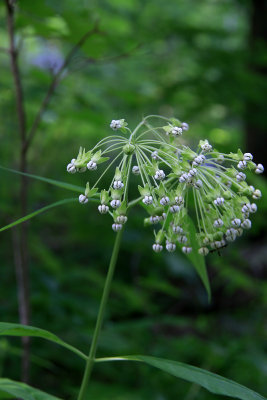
82,64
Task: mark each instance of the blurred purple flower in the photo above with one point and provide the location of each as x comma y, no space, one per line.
49,59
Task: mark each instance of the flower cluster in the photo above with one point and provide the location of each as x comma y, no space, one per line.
195,197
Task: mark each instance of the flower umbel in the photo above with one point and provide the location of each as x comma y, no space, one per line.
172,177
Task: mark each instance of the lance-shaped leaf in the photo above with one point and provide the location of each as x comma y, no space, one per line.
35,213
144,191
90,192
197,260
11,389
97,157
10,329
63,185
212,382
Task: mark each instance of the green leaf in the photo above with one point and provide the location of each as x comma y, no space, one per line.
63,185
33,214
197,260
102,159
10,329
10,389
212,382
144,191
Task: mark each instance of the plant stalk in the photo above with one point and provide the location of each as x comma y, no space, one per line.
100,317
21,235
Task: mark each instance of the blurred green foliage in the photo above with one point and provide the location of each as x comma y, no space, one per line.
190,59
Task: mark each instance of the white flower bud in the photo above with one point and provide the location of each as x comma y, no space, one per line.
164,200
185,126
246,224
231,235
154,219
92,166
115,203
182,239
259,169
231,238
203,251
248,157
148,200
198,184
239,232
219,201
73,160
240,177
230,231
183,178
256,194
186,249
219,243
201,158
71,168
236,222
218,223
135,170
253,208
198,160
121,219
245,215
177,229
163,216
154,155
118,185
246,208
179,200
159,175
205,240
242,165
206,146
103,209
192,172
177,131
83,199
157,247
116,227
174,209
115,124
82,169
170,246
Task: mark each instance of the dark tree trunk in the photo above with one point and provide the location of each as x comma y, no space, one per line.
256,114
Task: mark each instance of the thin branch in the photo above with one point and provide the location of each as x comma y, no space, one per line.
116,57
54,84
20,236
15,71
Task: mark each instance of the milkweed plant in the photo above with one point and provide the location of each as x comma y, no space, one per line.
168,173
169,176
195,200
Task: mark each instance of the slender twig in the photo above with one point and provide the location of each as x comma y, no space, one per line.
54,84
20,238
100,317
126,54
15,70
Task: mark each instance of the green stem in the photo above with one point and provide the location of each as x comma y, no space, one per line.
100,317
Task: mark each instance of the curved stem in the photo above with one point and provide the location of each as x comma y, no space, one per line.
100,317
